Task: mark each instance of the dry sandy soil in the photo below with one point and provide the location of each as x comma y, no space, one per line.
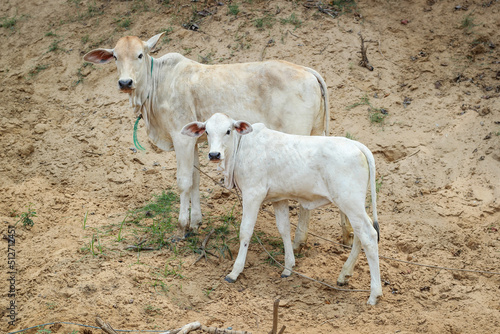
66,134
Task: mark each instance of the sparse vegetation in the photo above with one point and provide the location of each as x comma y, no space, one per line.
50,34
376,115
293,20
233,9
264,22
54,46
468,23
124,23
26,218
350,136
34,72
8,22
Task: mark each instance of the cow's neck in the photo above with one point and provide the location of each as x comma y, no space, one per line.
230,163
142,96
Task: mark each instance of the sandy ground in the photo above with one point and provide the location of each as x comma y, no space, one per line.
66,134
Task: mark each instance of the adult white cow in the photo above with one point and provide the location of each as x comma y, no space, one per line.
172,91
268,165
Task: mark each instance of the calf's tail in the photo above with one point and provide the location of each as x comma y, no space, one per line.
373,186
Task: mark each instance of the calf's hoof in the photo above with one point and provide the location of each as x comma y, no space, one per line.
285,276
229,280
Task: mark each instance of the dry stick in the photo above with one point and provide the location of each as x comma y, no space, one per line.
203,250
105,326
275,319
405,157
364,59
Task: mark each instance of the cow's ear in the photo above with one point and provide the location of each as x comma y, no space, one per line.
243,127
150,44
99,56
194,129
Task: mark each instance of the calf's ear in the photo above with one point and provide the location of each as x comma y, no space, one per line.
242,127
194,129
99,56
150,44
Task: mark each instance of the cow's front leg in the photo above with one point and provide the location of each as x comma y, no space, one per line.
251,206
301,231
196,216
184,148
283,224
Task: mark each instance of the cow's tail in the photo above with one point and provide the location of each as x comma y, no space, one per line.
324,94
373,185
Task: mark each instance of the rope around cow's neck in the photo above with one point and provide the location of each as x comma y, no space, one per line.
136,140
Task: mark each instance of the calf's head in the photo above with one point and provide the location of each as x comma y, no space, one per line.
220,130
130,58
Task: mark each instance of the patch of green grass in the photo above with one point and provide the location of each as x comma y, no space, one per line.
8,22
50,34
44,331
85,39
293,20
140,6
376,115
350,136
54,46
468,22
378,184
344,6
34,72
124,23
80,77
264,22
233,9
26,218
208,59
362,101
94,246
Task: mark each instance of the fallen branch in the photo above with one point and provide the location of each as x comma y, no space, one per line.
364,59
105,326
203,248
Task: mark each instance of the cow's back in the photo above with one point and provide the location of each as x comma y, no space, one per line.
296,167
284,96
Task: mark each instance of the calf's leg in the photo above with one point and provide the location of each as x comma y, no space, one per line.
251,206
283,224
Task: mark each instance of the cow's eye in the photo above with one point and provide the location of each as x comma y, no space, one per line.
206,132
228,132
140,56
115,57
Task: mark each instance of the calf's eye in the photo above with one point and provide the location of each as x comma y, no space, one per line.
140,56
228,132
115,57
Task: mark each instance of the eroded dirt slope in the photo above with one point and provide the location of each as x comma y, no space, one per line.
66,134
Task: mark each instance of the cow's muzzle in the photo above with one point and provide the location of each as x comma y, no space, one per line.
214,156
125,84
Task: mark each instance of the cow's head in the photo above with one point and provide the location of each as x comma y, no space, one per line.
130,55
220,130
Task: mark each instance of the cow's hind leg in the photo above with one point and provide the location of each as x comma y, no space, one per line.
301,231
283,224
367,235
251,206
196,216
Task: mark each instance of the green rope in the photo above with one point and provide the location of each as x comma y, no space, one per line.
136,141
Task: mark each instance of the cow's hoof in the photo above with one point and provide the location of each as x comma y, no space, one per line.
339,283
189,234
285,276
229,280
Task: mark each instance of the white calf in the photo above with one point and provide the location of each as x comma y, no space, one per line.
268,165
